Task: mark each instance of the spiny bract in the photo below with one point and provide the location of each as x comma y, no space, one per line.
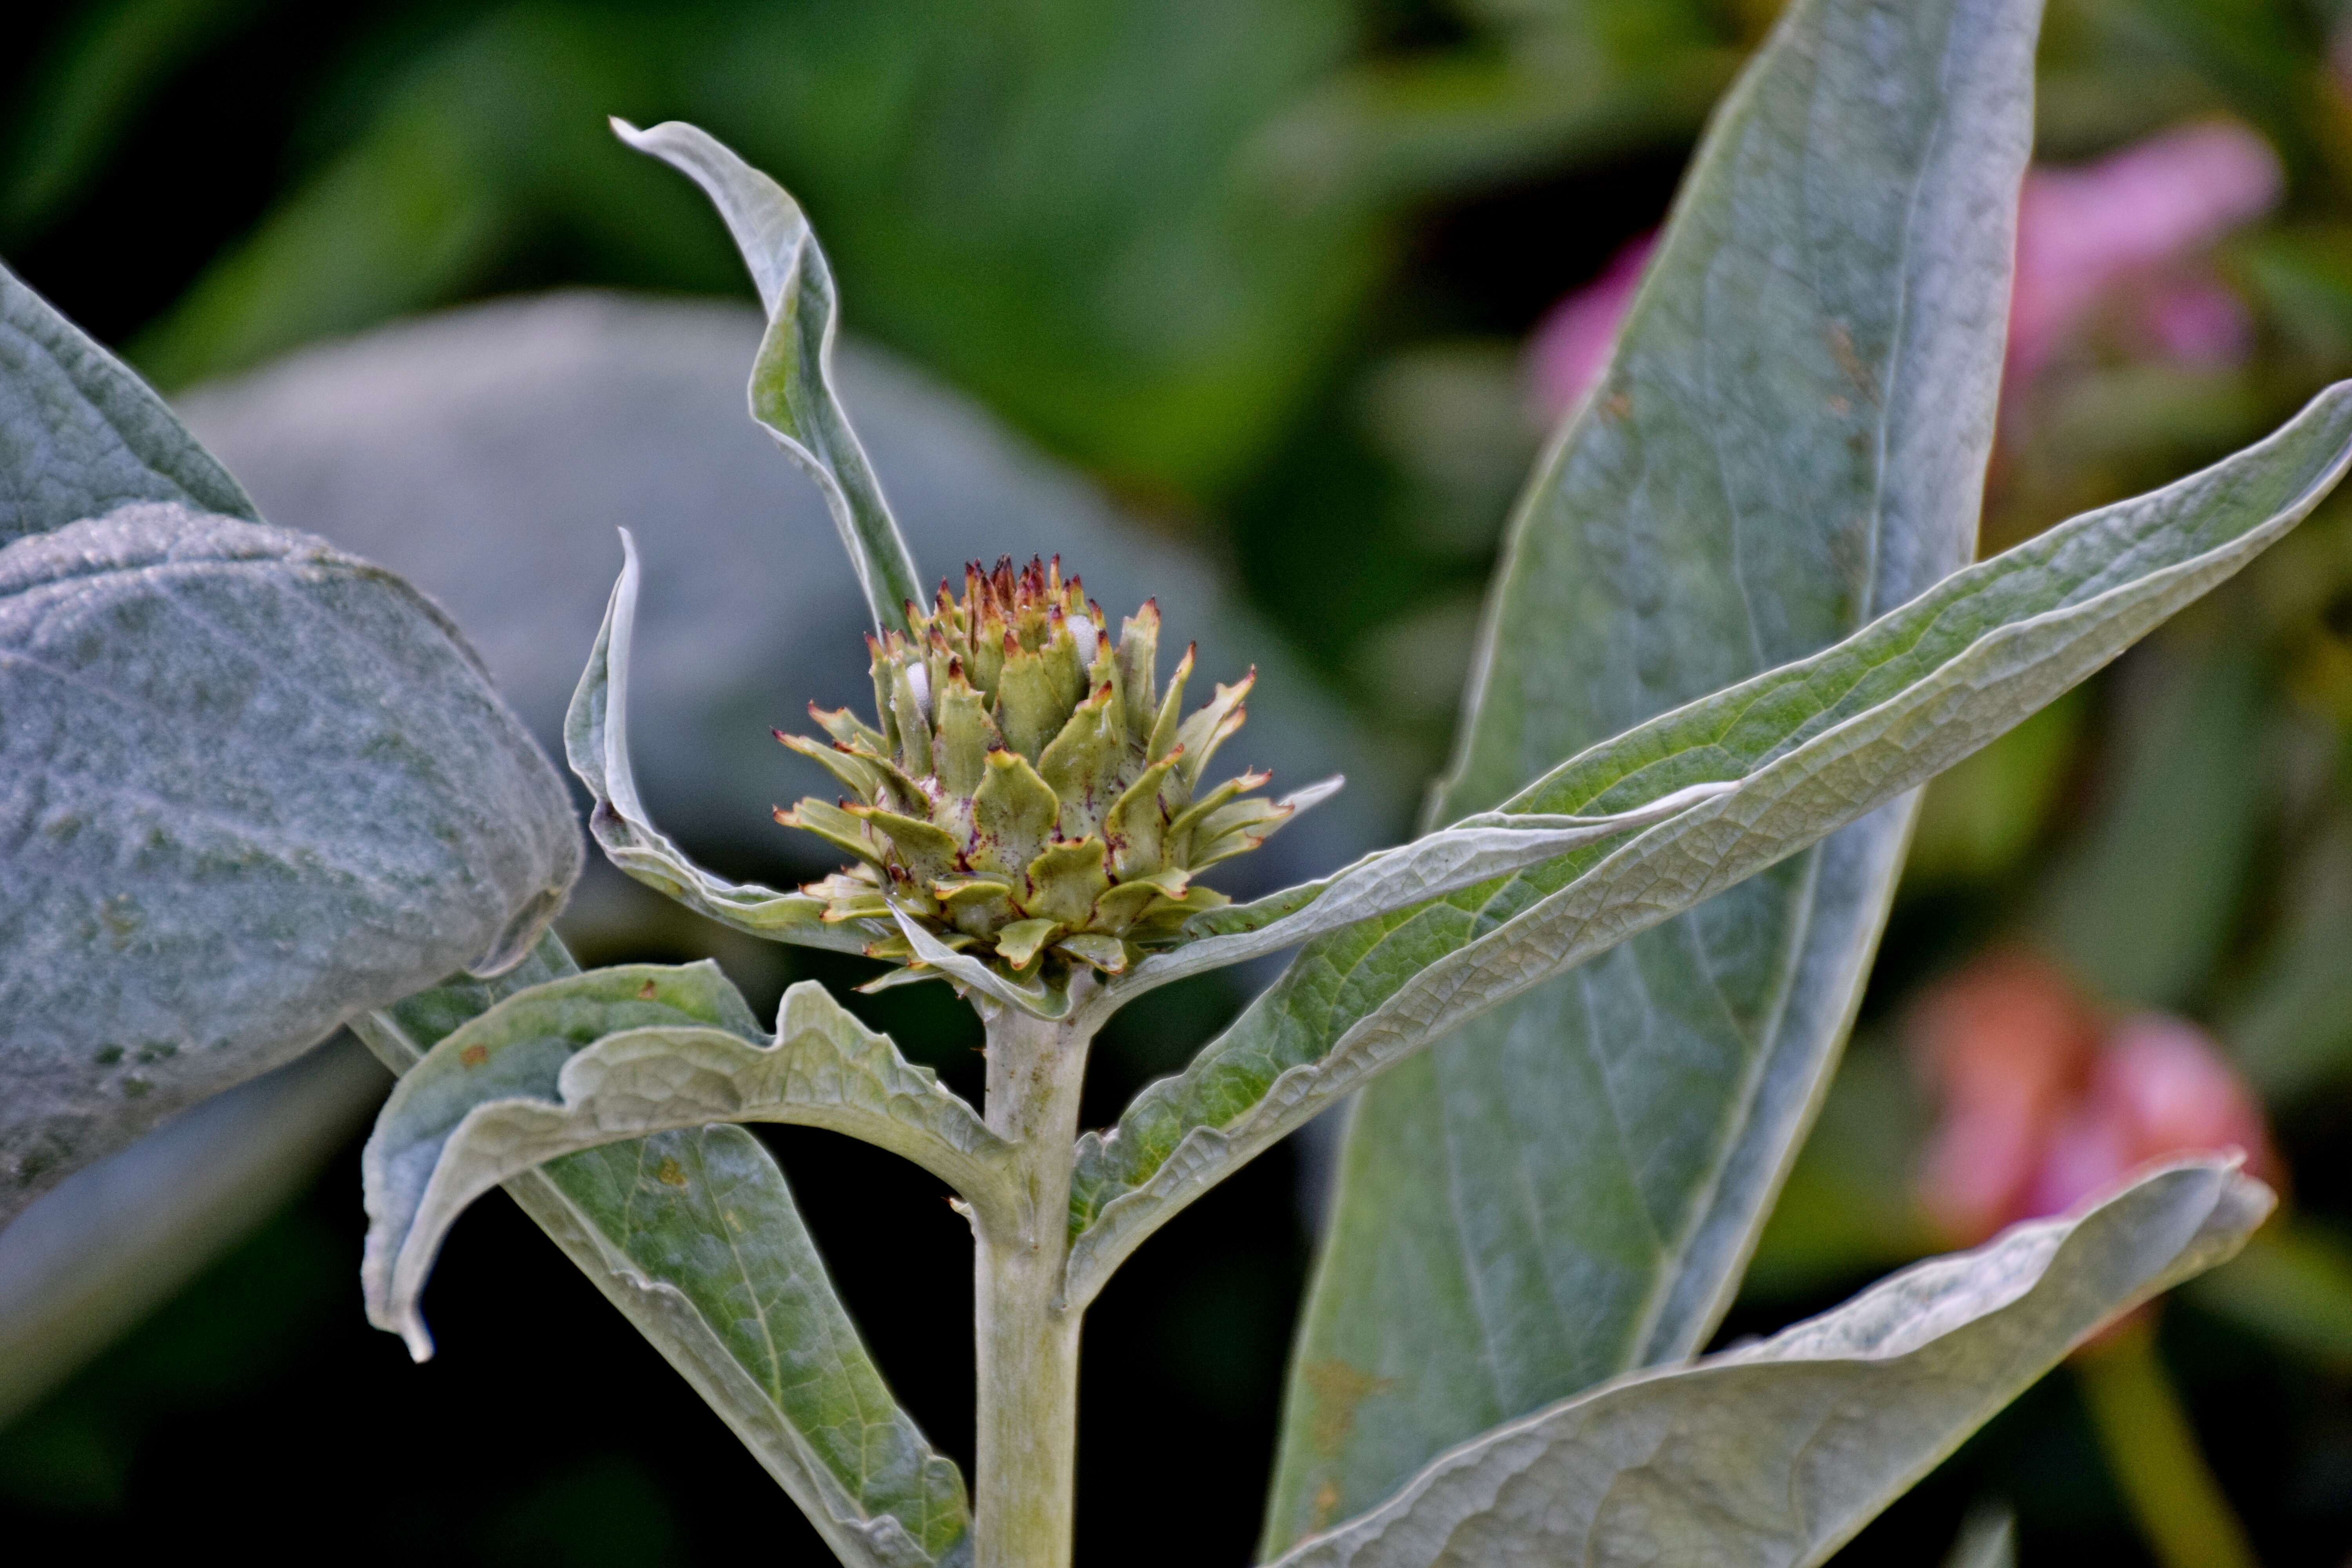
1028,791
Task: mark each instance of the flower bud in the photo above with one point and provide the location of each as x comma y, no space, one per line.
1026,791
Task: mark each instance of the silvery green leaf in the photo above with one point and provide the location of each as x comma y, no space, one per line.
80,435
1775,1454
694,1238
616,1053
596,741
791,381
250,785
1791,441
1476,849
1811,746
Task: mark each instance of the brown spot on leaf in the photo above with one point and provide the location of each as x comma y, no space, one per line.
1617,405
1327,1504
1338,1389
1850,363
670,1174
474,1056
646,992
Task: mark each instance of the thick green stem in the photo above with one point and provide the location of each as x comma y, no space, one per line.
1025,1494
2154,1452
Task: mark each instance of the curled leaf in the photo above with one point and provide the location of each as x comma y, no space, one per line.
1774,1456
596,740
694,1236
617,1054
250,786
791,381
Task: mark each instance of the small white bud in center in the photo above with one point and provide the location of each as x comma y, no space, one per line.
919,679
1082,627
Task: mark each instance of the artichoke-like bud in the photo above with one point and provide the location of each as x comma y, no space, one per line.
1027,793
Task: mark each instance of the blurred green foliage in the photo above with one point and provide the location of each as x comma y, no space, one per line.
1266,267
1065,206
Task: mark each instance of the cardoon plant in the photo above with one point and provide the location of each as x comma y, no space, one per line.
1735,629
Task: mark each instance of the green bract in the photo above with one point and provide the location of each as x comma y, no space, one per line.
1027,790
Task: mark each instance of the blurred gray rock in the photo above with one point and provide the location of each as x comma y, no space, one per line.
489,455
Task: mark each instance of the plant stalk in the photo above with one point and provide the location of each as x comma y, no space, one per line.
1024,1495
2153,1450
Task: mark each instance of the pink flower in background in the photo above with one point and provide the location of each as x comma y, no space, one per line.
2082,233
2158,1086
1572,345
2005,1045
2198,321
2043,1104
